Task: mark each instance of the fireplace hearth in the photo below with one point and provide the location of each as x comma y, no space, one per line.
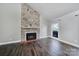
31,36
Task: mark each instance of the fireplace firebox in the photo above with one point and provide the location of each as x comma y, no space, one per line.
31,36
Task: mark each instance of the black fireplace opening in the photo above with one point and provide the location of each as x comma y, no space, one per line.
55,34
31,36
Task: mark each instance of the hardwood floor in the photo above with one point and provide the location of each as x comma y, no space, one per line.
42,47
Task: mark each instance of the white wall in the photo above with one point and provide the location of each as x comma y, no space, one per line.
43,27
48,29
10,22
69,28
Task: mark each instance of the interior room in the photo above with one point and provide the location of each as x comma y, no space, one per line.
39,29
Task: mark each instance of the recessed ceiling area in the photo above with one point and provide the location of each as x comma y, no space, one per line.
50,11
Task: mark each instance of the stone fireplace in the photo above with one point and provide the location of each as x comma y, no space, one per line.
30,23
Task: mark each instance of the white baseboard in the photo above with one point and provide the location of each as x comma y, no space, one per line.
75,45
4,43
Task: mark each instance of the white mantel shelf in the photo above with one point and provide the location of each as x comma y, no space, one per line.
29,27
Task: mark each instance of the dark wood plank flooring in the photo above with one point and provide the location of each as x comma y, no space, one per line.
42,47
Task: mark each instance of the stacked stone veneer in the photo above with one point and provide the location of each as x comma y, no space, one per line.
30,21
